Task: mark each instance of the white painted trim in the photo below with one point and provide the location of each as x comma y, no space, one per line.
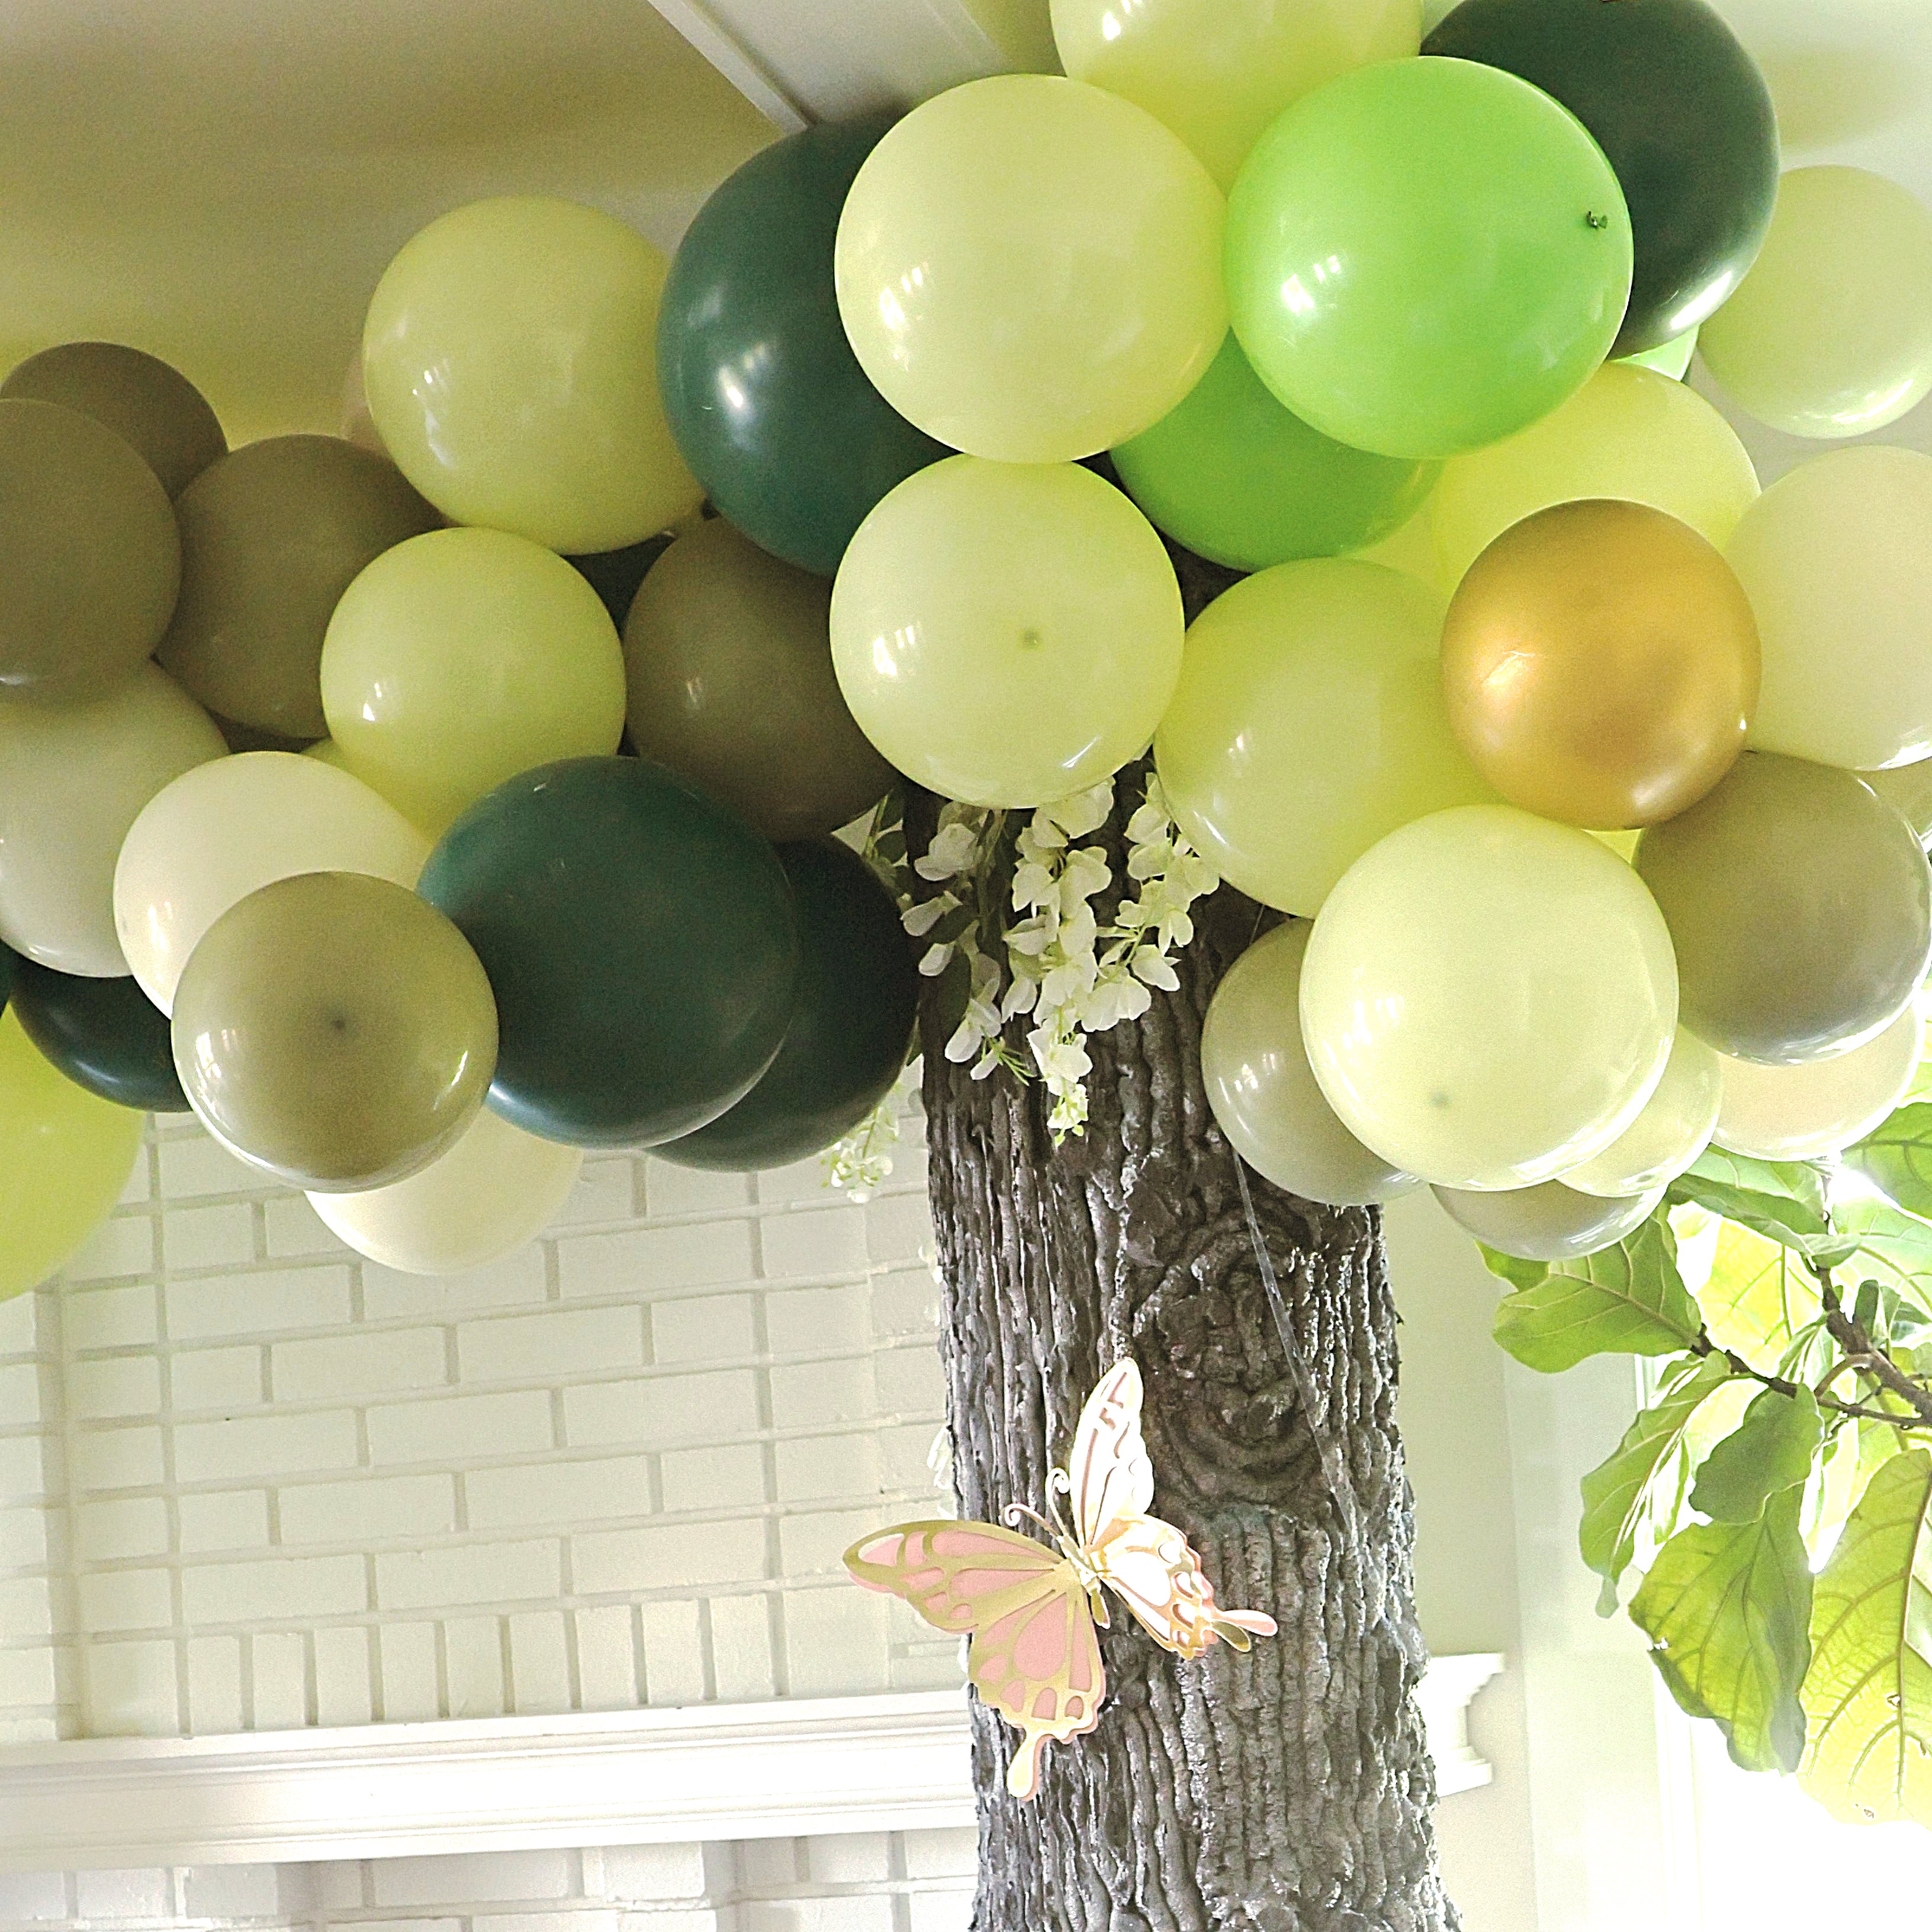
715,1771
736,62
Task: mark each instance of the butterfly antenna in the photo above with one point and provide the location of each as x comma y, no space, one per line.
1016,1513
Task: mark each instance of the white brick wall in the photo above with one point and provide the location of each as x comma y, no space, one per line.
249,1481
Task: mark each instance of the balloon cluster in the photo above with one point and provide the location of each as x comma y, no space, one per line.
474,811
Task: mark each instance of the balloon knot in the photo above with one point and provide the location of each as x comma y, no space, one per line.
1597,221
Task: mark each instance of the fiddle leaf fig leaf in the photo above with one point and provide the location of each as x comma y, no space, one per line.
1782,1200
1512,1268
1624,1300
1771,1450
1759,1294
1897,1156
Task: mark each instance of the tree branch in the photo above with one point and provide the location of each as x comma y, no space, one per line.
1854,1411
1851,1336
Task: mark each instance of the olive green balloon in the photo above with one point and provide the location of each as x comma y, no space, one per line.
728,653
1800,906
270,537
1549,1223
90,563
138,396
336,1030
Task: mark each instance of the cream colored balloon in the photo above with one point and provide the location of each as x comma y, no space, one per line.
73,778
496,1188
1628,433
1836,560
227,829
1488,998
1801,1113
1673,1129
1910,787
1549,1222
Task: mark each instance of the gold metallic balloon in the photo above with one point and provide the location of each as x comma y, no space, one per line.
1600,661
336,1030
1549,1223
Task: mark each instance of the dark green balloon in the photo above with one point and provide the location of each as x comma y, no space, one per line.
641,942
1681,112
761,388
105,1035
858,996
615,574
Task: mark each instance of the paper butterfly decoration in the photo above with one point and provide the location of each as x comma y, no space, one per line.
1030,1610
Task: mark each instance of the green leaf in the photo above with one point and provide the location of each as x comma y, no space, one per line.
1519,1273
1617,1493
1727,1607
1770,1450
1758,1295
1895,1249
1868,1694
1897,1156
1624,1300
1783,1200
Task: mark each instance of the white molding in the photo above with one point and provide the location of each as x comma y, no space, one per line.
716,1771
736,62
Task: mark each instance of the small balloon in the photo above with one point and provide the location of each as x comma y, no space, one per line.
617,575
1600,663
1006,634
335,1031
1308,723
509,362
496,1188
1263,1093
1029,269
1551,1223
224,830
138,396
1488,999
1831,334
89,555
1673,1129
1800,907
73,778
1342,228
271,536
642,942
105,1035
1805,1113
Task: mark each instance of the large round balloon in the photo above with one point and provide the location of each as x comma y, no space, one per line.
271,538
138,396
761,388
89,556
1628,433
858,997
73,778
1264,1093
1426,256
1218,71
225,829
1006,634
1681,113
728,655
65,1155
1600,663
335,1031
1800,907
496,1188
105,1035
1308,723
1673,1129
509,361
642,942
1804,1113
1030,269
1836,560
1549,1222
459,658
1488,998
1237,478
1831,334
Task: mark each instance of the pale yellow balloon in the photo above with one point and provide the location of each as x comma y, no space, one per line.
73,778
458,659
1830,334
1488,998
1803,1113
225,829
509,361
1309,722
1030,269
1551,1222
1628,433
1218,71
1623,844
1671,358
1006,634
1411,549
1836,560
496,1188
1673,1129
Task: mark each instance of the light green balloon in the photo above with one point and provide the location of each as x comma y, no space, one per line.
1549,1223
1671,358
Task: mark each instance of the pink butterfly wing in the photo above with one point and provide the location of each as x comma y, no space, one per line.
952,1573
1109,1472
1153,1569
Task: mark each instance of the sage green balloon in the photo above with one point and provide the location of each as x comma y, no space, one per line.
336,1030
1549,1223
90,562
1800,907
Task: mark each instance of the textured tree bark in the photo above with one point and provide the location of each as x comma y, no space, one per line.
1289,1790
